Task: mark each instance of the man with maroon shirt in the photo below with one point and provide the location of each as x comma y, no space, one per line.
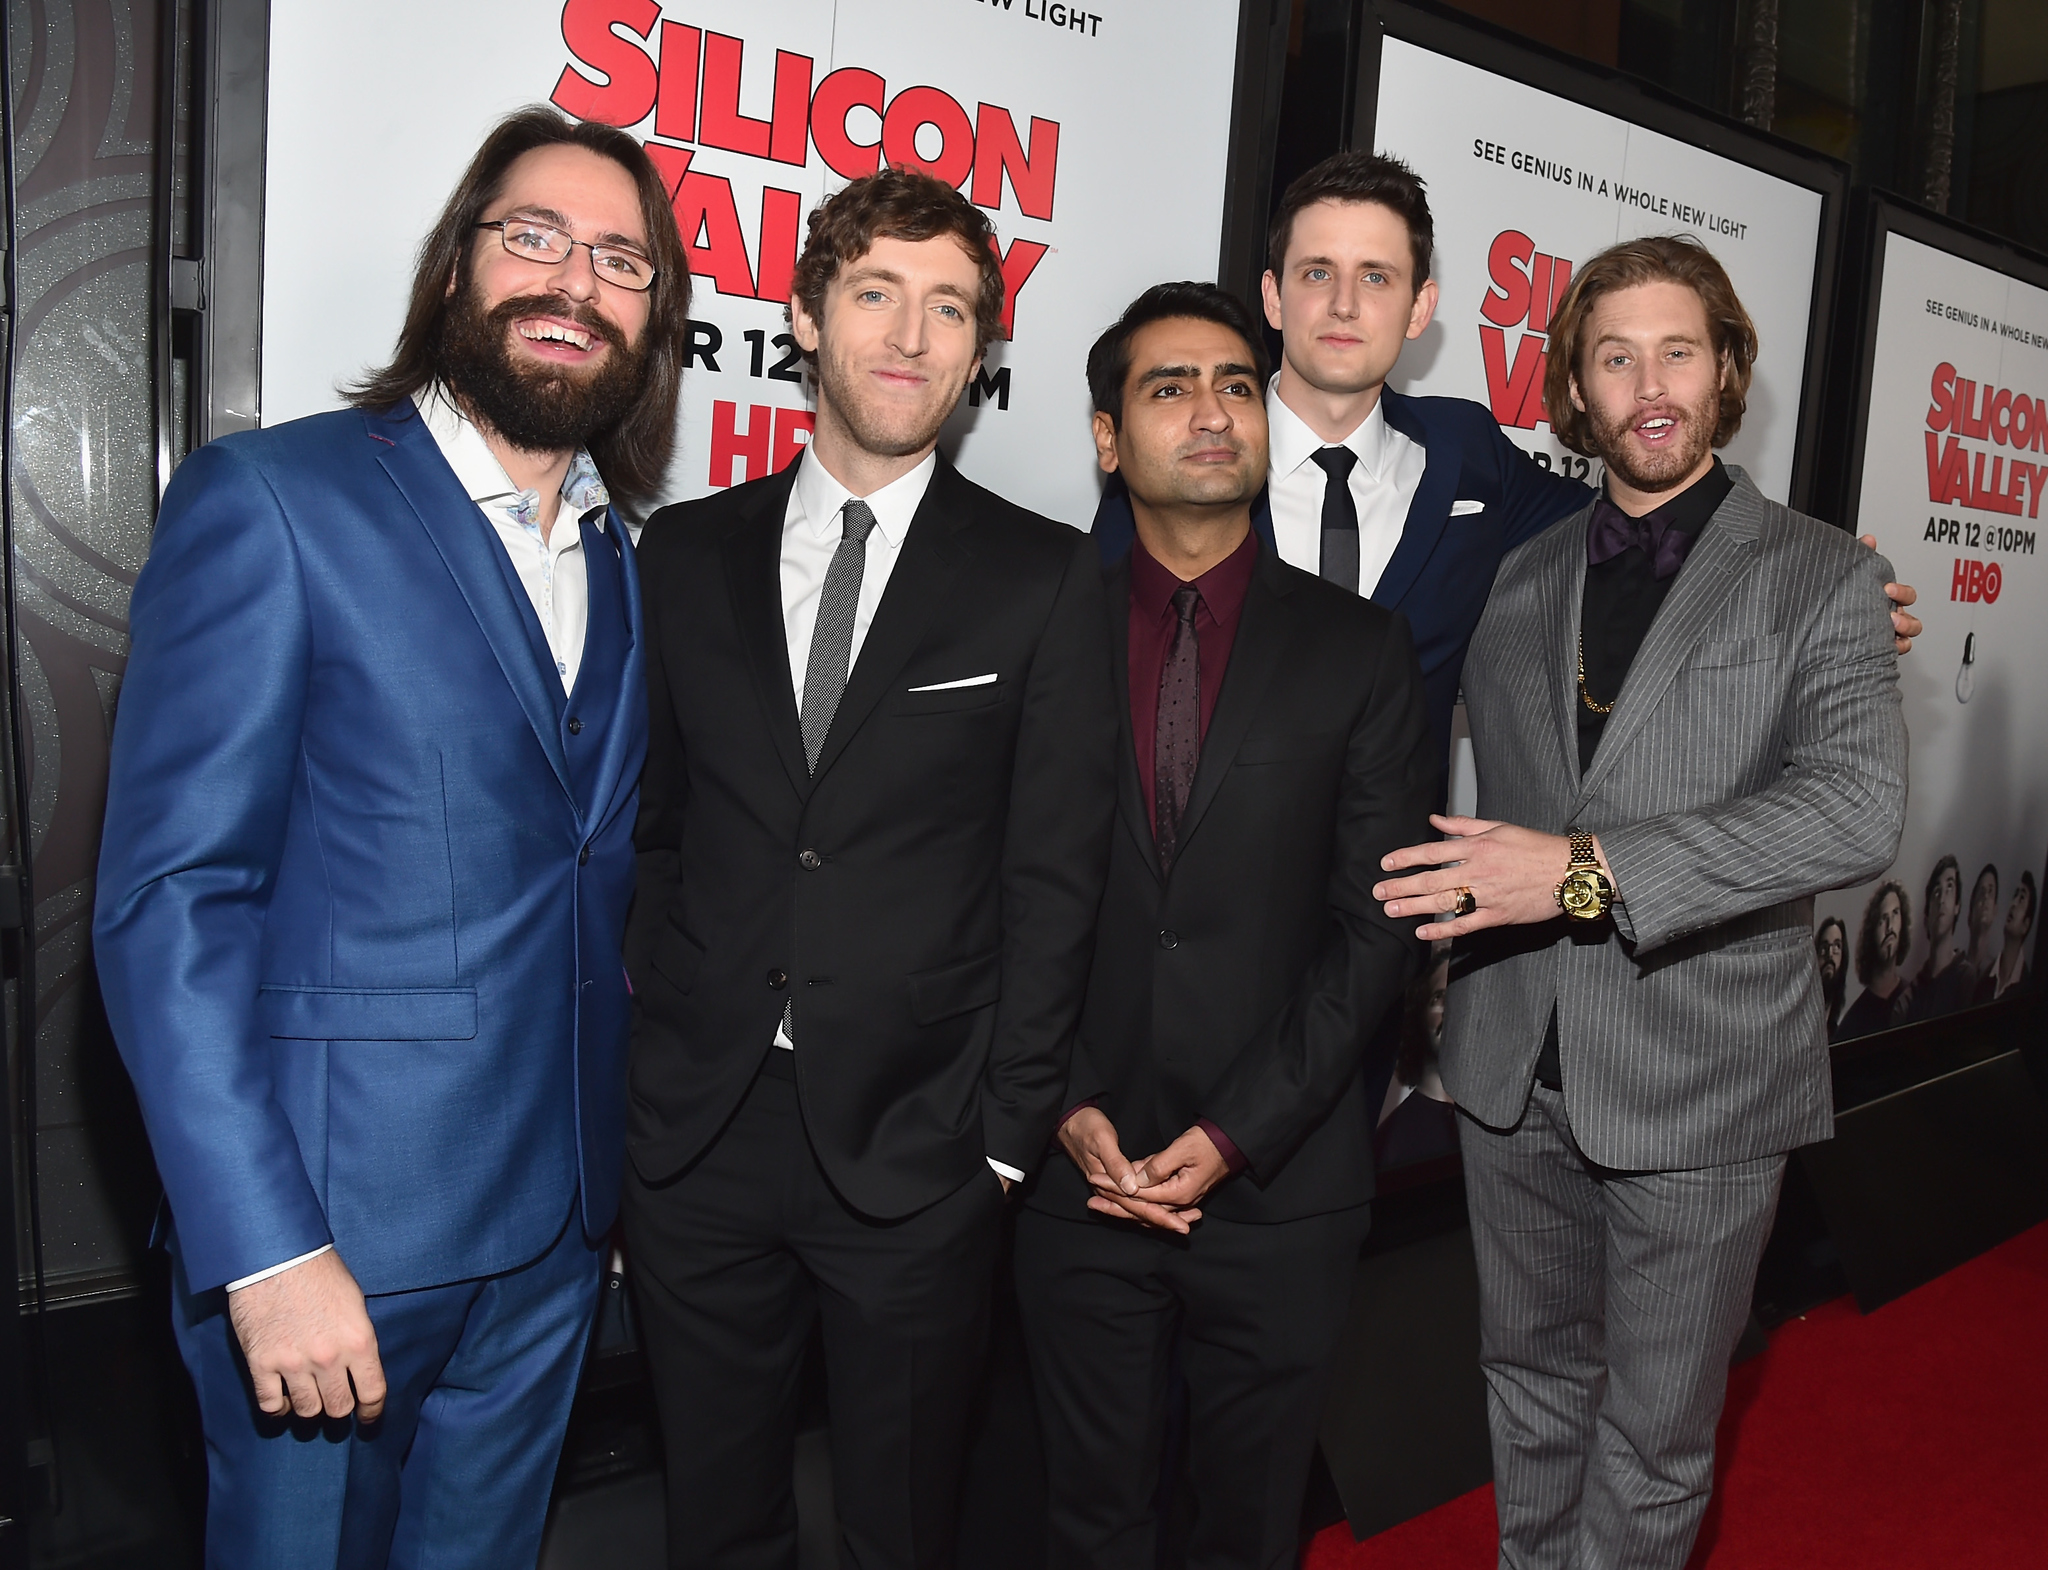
1274,747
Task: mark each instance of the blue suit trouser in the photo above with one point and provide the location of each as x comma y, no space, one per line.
457,1471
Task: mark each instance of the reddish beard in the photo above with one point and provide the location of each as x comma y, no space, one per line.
1657,471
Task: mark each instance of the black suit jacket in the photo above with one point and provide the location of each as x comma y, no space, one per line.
927,899
1244,987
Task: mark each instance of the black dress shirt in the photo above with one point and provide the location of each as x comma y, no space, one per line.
1621,600
1623,597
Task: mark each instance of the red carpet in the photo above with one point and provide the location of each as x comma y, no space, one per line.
1911,1439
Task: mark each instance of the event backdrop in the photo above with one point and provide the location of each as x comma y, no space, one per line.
1525,185
1094,135
1955,464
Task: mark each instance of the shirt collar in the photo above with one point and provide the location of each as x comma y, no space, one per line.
1223,586
1692,508
484,478
1293,444
820,497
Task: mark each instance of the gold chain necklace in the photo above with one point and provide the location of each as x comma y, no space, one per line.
1585,693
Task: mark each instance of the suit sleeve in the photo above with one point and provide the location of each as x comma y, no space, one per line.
658,830
1286,1080
1532,496
1834,815
1055,858
204,755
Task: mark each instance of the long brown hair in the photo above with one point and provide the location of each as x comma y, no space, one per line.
1656,258
633,454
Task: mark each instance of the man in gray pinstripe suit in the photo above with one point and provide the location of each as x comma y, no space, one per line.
1685,715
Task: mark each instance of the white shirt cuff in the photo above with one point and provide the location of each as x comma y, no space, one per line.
1002,1171
278,1270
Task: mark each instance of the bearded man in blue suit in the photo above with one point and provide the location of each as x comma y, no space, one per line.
366,868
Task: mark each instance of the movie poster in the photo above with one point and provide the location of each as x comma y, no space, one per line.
1955,465
1525,185
1048,115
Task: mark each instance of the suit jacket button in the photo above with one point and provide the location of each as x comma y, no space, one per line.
1169,939
583,857
575,727
778,979
809,860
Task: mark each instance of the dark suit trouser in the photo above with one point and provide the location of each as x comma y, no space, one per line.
1610,1303
733,1263
1258,1310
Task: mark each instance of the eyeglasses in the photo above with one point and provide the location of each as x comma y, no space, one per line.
533,241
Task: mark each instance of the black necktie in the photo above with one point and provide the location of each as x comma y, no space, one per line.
1339,560
1177,736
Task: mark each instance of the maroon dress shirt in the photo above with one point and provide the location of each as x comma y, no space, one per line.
1223,589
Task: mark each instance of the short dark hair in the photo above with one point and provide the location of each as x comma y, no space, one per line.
1357,177
1946,864
1655,258
1109,362
1866,940
633,455
898,204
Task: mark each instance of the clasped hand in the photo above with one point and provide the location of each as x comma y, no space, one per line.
1512,872
1159,1191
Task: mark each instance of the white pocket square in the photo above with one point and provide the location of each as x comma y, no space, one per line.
964,681
1461,508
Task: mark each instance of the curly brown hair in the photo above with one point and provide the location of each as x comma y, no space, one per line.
1656,258
898,204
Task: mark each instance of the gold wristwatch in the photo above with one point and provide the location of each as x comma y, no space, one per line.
1585,894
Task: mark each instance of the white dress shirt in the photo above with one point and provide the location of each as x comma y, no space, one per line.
551,570
1383,485
811,532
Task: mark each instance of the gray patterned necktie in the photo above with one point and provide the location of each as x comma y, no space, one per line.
831,651
832,637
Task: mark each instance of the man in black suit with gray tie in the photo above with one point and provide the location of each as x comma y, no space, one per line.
872,839
1274,745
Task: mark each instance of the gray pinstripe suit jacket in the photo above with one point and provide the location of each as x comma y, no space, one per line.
1756,756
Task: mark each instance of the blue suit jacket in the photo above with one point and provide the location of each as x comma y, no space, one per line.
1442,571
358,930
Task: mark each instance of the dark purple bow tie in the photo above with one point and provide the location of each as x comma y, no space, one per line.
1614,531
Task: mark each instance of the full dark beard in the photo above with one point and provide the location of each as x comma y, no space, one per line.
1652,473
537,409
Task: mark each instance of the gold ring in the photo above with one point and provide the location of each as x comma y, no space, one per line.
1465,903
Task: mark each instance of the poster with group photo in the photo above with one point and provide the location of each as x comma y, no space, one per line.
1046,114
1955,465
1525,185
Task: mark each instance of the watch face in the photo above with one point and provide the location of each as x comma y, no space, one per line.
1584,894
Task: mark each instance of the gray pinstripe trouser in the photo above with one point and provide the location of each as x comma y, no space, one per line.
1610,1303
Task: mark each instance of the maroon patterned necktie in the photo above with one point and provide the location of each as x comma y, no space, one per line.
1177,739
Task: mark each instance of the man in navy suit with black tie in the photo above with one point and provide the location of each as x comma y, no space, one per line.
1431,493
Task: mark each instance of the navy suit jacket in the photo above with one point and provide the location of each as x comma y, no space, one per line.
365,872
1442,571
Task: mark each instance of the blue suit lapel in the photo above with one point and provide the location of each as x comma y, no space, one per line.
1428,514
463,538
